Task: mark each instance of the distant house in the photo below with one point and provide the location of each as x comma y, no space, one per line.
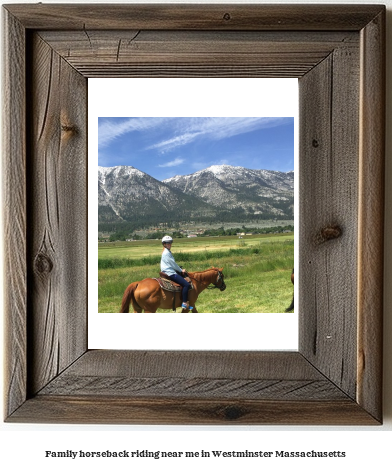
191,235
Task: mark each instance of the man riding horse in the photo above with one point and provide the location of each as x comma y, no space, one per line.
174,271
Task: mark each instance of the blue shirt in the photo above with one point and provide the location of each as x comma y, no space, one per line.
168,264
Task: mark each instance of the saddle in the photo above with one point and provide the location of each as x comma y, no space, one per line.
166,284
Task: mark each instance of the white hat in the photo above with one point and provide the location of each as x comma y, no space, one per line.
167,239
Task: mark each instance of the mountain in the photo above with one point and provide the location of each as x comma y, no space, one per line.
126,194
234,187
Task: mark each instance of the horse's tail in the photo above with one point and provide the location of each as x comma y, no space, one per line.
291,306
129,298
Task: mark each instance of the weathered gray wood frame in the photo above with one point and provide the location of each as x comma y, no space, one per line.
337,52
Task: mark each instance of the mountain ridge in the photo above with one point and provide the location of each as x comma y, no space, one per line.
126,194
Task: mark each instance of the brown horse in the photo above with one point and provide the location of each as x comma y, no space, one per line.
147,294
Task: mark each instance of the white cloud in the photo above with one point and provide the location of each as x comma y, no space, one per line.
175,132
171,143
109,130
186,130
176,162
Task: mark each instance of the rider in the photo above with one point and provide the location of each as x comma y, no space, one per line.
173,271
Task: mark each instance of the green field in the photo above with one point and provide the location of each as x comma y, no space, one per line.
256,268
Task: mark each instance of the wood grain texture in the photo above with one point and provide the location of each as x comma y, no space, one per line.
57,211
155,411
335,378
206,374
195,17
208,364
14,211
371,216
196,53
190,387
329,140
201,387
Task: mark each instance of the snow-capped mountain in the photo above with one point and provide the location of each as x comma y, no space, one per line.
222,191
235,187
126,194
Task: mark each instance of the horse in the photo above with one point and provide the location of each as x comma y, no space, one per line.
292,302
148,295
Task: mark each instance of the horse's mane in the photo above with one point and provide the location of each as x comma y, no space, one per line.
204,271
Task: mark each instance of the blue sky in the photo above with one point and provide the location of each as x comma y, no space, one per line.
167,146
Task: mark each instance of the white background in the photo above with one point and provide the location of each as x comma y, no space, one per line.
368,448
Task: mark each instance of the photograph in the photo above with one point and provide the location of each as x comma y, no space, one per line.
187,204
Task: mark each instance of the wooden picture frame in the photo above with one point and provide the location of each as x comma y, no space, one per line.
337,52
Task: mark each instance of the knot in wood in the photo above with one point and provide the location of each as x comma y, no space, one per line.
328,233
232,413
227,16
43,264
69,128
315,143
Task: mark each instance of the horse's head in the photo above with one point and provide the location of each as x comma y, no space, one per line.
213,276
220,281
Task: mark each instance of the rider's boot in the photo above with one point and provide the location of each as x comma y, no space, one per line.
186,307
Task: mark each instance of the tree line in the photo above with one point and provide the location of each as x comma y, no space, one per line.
123,235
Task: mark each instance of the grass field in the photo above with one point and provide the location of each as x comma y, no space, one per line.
256,268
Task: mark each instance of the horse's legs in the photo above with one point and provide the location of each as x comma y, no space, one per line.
136,307
193,305
150,307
